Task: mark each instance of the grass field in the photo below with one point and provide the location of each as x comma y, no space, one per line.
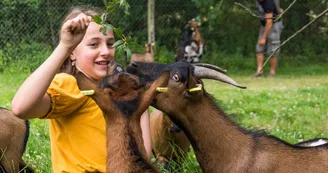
292,106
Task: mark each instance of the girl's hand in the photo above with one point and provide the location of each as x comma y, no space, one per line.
73,30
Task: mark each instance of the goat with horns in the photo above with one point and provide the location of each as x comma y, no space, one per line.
221,145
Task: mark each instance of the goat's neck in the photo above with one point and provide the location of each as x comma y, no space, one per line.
216,140
125,149
198,37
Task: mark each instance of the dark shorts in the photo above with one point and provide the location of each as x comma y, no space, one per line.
273,39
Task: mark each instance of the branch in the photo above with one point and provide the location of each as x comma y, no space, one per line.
257,16
219,4
280,15
248,10
299,31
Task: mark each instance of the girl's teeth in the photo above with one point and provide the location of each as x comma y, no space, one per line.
102,63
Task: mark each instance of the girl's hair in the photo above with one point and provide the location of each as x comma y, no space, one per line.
67,66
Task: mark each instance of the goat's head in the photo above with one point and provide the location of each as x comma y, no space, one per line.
184,79
121,91
194,23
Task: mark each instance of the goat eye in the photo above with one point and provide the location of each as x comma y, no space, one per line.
175,78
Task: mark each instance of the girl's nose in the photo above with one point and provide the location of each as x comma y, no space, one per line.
106,51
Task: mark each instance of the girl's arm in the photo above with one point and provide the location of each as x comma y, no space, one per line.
31,99
145,128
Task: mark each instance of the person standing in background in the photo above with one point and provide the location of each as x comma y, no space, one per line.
269,35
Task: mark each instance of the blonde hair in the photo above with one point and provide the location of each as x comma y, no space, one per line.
67,66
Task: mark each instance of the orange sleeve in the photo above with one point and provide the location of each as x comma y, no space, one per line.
65,96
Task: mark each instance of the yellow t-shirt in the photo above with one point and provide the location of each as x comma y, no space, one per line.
77,129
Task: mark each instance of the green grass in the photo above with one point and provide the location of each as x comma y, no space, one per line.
38,149
292,106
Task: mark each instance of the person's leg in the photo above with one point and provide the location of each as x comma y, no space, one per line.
260,49
273,44
273,65
259,59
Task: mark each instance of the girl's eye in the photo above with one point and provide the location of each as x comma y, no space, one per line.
110,45
176,77
93,44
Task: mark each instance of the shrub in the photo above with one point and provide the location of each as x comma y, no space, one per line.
23,56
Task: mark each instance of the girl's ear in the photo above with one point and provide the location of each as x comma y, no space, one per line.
72,56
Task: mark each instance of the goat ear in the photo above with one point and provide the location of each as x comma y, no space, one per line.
161,81
151,90
194,83
84,83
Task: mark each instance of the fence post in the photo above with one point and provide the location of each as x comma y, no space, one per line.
151,21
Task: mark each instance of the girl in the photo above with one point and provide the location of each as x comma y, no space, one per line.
77,126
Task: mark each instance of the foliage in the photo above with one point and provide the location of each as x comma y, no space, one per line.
124,43
34,54
226,28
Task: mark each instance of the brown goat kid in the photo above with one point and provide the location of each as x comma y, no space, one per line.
14,133
148,56
168,141
123,99
221,145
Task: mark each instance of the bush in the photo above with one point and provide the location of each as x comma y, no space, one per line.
163,55
23,56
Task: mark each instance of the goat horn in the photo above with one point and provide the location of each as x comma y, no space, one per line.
211,67
207,73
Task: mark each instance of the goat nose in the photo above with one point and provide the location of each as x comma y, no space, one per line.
133,64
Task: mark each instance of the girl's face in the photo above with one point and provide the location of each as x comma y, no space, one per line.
94,52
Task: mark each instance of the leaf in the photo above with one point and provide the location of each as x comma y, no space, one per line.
118,32
97,19
110,7
122,2
109,27
103,30
128,52
118,51
105,2
127,9
109,4
128,38
103,18
117,43
135,45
